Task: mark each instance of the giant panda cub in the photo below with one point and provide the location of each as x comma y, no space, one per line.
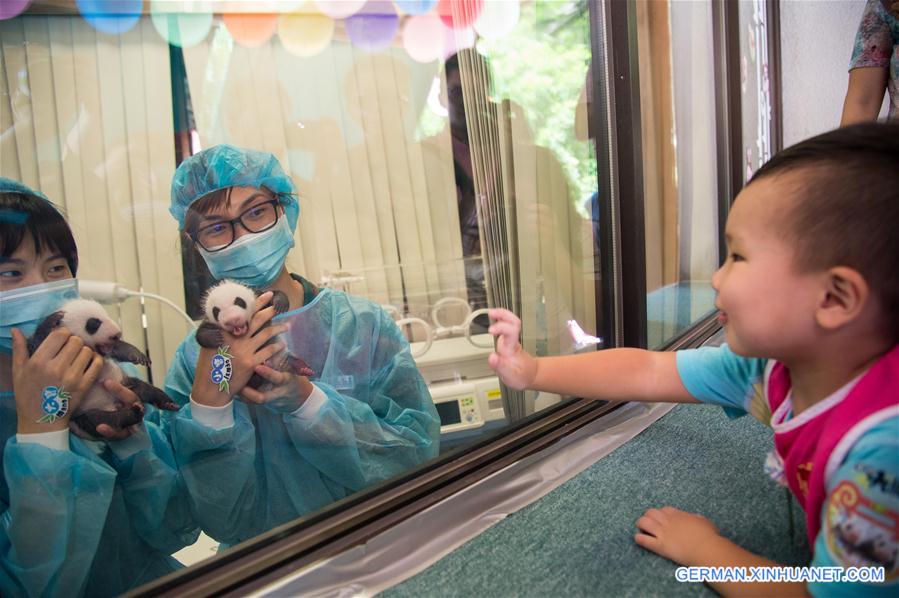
230,306
90,322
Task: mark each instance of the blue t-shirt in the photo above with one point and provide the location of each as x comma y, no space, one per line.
863,532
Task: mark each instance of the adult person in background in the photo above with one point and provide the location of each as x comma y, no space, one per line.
874,67
79,517
274,454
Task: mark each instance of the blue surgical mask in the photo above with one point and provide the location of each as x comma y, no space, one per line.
26,307
254,259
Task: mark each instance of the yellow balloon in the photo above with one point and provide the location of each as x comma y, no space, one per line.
304,33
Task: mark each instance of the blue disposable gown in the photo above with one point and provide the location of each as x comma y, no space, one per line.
83,522
271,467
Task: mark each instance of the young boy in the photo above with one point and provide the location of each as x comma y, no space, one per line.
809,300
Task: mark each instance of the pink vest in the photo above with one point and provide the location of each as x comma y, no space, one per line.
813,450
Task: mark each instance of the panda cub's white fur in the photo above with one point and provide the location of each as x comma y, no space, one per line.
89,321
231,306
77,319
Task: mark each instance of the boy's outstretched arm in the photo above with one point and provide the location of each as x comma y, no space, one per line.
612,375
694,541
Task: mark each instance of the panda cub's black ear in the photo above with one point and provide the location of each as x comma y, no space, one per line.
43,330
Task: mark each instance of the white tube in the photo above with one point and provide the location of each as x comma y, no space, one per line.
164,300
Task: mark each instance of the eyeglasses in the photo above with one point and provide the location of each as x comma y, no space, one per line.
257,219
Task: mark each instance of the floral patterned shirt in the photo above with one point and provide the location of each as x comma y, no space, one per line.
877,45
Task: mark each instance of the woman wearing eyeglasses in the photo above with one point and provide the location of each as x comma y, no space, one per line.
297,443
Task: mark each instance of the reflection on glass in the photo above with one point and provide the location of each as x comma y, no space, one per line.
441,168
679,167
755,86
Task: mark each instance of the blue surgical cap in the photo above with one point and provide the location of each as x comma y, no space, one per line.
223,166
11,186
15,217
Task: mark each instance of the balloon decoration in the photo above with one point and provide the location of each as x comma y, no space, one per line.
182,29
305,34
12,8
374,26
339,9
431,29
110,16
459,14
423,37
251,30
497,19
416,7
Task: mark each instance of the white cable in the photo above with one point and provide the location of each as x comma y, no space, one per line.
112,292
164,300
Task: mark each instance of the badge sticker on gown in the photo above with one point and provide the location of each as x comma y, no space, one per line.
345,382
54,404
222,369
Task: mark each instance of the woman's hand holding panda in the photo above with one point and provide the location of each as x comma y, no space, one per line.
287,394
62,361
246,353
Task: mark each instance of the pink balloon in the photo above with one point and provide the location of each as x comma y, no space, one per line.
459,14
423,37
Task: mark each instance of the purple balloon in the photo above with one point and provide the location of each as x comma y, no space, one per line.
12,8
373,27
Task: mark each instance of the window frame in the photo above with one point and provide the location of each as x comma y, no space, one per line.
621,317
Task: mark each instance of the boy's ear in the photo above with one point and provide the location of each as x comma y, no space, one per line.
845,293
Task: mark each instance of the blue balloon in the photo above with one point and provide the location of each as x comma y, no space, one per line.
111,16
416,7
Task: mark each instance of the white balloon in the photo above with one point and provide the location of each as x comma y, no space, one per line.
497,18
339,9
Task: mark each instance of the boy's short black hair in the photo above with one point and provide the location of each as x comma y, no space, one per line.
847,210
22,214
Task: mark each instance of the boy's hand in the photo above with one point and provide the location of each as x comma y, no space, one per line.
675,534
516,367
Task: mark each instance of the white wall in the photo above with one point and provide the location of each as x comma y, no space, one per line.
817,37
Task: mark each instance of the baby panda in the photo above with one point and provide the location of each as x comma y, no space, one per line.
90,322
230,306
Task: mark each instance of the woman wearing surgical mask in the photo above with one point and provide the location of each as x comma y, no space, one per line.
273,455
79,517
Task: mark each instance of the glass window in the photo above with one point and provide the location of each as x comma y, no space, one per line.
677,87
441,163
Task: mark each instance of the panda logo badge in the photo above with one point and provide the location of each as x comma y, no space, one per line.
54,404
222,369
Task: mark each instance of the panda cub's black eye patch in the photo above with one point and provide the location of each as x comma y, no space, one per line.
92,325
239,302
215,313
